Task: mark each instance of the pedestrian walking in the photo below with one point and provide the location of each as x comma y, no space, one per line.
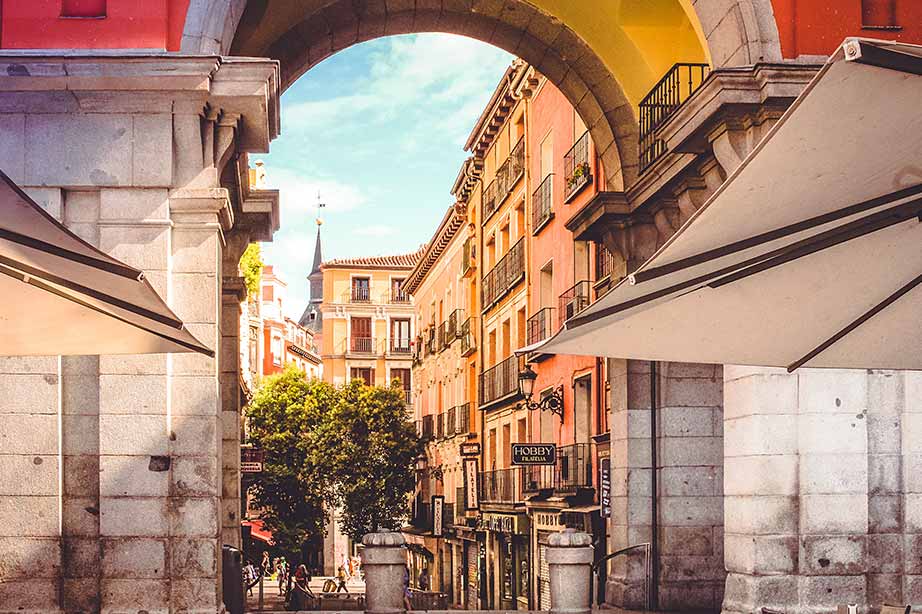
249,575
282,576
301,595
266,563
424,579
341,578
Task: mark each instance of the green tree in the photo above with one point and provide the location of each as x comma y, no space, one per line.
251,265
285,410
368,448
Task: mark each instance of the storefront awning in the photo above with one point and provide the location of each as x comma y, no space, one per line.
64,296
258,531
808,254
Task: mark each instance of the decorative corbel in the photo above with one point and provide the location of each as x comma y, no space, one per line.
225,140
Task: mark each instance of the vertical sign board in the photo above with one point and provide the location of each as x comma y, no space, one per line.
472,500
605,487
438,504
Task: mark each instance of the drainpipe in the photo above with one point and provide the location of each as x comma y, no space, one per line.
654,507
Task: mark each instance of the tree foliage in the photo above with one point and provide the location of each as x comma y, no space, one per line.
284,410
251,266
351,448
368,448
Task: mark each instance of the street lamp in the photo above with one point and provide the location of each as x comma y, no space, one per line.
552,402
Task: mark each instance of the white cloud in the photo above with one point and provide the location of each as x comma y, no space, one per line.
298,193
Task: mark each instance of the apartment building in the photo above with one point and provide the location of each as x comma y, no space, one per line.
368,320
285,341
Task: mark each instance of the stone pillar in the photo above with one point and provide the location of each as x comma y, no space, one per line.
384,560
813,483
569,559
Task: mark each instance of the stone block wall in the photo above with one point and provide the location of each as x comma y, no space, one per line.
689,479
821,502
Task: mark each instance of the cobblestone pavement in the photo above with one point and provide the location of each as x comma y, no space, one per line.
272,600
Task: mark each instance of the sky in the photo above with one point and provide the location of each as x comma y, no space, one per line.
378,130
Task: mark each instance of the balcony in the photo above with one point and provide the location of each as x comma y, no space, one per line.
542,204
500,381
572,471
468,343
507,176
500,486
426,430
507,273
676,86
398,297
359,294
440,426
362,345
467,257
455,319
577,170
463,417
408,396
451,422
573,301
540,326
401,345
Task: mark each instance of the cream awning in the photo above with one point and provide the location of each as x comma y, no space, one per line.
61,296
810,254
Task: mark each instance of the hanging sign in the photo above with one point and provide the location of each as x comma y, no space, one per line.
472,500
605,487
534,454
470,449
438,504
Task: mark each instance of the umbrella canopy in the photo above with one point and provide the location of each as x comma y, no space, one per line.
65,297
810,254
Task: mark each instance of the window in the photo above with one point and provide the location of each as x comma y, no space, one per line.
398,295
268,294
83,8
361,335
276,350
400,335
361,289
879,15
366,374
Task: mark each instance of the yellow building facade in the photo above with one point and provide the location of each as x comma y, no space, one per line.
367,318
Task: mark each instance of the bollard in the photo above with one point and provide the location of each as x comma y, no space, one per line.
384,559
569,559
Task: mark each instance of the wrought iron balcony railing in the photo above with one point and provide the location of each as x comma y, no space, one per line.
398,297
572,471
451,422
507,176
490,200
455,319
362,345
427,428
676,86
408,396
542,204
501,486
463,417
540,326
501,380
400,345
577,170
466,333
507,273
440,426
360,294
572,301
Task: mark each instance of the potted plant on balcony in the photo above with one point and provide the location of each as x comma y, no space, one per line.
580,176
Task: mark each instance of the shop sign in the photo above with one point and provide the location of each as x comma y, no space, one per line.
534,454
471,498
438,505
503,523
547,521
470,449
605,487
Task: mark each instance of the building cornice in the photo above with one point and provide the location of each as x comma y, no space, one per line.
452,222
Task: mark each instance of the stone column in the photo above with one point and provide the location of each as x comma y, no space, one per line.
569,559
384,559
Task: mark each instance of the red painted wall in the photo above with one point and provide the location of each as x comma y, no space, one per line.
817,27
128,24
551,113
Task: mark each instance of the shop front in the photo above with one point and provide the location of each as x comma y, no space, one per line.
507,554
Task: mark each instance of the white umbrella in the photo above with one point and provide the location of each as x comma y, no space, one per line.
62,296
810,254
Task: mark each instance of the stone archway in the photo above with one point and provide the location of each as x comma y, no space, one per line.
302,34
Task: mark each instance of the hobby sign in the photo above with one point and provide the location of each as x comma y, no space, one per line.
534,454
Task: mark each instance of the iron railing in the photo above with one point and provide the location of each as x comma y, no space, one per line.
540,326
467,256
508,272
398,297
542,204
466,333
362,345
573,300
500,486
440,426
576,167
501,380
426,429
455,319
451,422
463,416
408,396
360,294
676,86
400,345
507,176
572,471
490,200
603,263
443,336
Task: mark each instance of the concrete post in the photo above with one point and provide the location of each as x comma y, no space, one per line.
569,557
384,559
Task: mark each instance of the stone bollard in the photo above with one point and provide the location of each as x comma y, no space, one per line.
384,559
569,558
